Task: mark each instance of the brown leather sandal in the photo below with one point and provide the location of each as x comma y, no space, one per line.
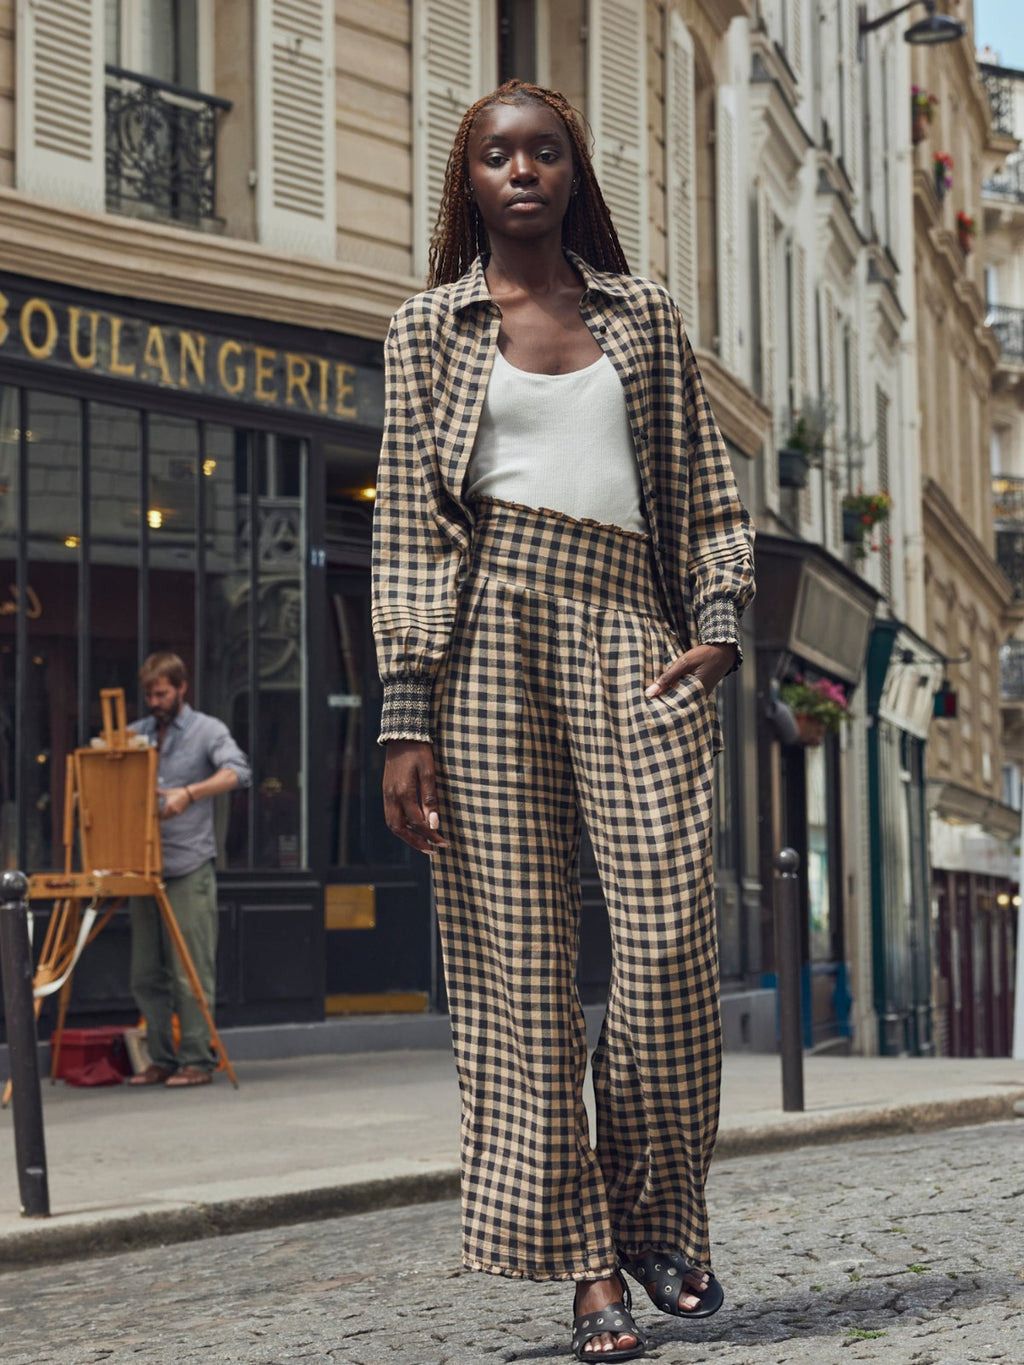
153,1075
189,1075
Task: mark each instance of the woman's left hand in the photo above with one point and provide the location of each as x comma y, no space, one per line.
708,663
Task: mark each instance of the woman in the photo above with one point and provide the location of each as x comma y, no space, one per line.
560,563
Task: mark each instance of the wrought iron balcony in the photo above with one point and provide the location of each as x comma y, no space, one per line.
1008,520
1011,670
1008,502
1007,183
1008,325
161,153
999,81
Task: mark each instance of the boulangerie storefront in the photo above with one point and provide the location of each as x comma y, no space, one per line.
178,479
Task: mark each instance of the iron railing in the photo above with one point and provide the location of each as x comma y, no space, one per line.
1008,182
1008,520
1011,670
999,82
1008,502
161,153
1008,325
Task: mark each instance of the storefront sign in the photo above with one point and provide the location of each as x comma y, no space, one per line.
55,334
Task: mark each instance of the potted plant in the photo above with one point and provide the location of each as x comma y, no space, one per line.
966,227
942,167
818,707
861,513
922,111
805,444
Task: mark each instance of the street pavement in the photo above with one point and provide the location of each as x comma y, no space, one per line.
314,1137
906,1250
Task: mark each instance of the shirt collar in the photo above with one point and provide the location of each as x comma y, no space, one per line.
472,286
182,719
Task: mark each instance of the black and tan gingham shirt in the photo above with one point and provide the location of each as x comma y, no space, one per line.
438,358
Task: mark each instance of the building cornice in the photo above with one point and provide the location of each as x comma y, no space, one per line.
945,259
952,801
742,418
883,292
715,15
943,525
128,257
838,234
778,140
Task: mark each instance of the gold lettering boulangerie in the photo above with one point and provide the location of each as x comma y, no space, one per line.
81,337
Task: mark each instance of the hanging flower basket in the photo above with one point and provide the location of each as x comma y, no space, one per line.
942,166
810,729
793,467
818,707
805,444
965,230
922,111
861,514
853,527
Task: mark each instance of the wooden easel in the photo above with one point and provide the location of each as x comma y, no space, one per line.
112,788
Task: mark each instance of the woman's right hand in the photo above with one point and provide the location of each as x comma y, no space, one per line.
410,794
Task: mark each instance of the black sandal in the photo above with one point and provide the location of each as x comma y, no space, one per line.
667,1272
615,1319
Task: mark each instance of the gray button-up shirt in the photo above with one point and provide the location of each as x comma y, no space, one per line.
195,747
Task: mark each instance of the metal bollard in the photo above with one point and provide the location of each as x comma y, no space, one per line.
787,970
16,965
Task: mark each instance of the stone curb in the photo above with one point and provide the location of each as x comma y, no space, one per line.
50,1242
807,1130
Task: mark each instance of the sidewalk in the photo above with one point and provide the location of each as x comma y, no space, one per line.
319,1136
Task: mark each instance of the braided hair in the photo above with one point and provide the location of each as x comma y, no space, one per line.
460,235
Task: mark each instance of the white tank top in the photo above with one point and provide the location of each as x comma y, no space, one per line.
560,441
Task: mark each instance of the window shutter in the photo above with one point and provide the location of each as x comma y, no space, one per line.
800,322
801,357
680,174
451,43
60,101
766,292
617,108
851,86
727,190
295,191
884,475
832,390
796,36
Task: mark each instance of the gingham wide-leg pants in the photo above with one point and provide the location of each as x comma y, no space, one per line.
541,718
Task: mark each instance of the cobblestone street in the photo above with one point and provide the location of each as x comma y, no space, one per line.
908,1249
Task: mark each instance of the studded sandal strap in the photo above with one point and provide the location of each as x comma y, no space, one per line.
666,1271
614,1318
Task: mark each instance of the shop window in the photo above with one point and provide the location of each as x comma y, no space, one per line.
354,761
111,558
124,531
10,608
357,834
255,655
819,880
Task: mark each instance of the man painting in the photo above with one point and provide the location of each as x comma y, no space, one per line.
198,761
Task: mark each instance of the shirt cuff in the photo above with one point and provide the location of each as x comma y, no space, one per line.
718,623
406,710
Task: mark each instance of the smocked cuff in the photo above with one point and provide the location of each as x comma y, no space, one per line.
406,710
718,623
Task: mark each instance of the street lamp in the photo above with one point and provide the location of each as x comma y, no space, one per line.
929,32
